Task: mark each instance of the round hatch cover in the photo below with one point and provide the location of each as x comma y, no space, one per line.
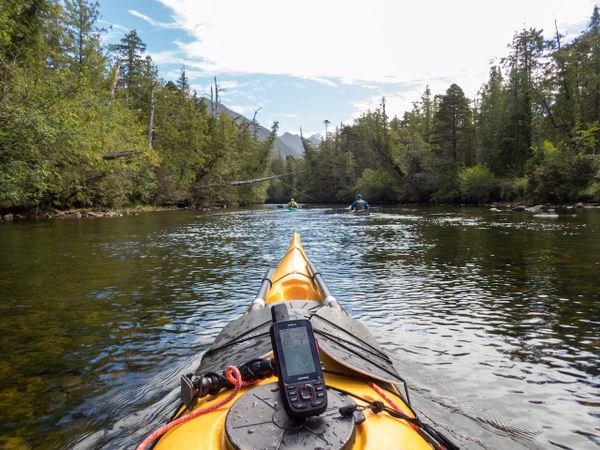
257,420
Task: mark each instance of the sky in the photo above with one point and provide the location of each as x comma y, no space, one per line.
300,63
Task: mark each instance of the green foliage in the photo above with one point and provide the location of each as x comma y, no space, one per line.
278,191
377,185
556,175
234,154
181,139
444,183
24,174
53,147
512,189
67,104
586,139
477,184
592,190
549,175
318,180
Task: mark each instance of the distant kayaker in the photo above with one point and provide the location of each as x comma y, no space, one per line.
292,203
359,204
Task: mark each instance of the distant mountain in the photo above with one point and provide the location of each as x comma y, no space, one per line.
315,139
291,141
287,144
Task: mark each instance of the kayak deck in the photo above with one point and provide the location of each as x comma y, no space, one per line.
358,375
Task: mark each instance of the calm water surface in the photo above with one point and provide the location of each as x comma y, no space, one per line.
492,318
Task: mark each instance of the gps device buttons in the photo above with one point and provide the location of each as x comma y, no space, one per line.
306,393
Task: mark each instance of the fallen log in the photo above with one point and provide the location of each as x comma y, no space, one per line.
240,183
126,154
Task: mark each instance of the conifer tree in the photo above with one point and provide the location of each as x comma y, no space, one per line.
453,128
523,65
81,40
133,67
490,123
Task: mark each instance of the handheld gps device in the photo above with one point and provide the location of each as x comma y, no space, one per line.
300,376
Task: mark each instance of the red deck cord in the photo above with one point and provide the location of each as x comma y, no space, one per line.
394,405
233,375
391,402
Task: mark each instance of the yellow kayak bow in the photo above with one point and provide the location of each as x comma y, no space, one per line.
366,408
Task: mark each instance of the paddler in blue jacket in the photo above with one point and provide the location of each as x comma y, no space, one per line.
359,204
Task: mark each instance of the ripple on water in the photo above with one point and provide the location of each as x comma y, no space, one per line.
490,318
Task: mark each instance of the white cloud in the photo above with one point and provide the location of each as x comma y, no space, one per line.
382,41
229,85
379,40
321,80
168,57
392,48
151,21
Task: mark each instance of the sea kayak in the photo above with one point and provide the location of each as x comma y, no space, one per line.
234,400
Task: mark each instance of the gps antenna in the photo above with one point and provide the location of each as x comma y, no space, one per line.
279,312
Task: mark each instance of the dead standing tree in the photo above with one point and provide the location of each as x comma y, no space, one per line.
214,102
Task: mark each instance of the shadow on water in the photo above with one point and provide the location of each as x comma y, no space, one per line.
491,317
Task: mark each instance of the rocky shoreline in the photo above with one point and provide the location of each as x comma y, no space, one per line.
546,208
86,213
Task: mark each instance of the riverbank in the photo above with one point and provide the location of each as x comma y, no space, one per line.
85,213
90,213
542,208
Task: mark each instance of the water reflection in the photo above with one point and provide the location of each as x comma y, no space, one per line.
492,317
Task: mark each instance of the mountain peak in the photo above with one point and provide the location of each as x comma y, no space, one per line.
287,144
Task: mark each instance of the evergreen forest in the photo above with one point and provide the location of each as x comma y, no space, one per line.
88,125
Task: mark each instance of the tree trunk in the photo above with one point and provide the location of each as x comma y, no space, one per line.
115,80
151,117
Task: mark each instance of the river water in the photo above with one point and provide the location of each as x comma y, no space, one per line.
492,318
